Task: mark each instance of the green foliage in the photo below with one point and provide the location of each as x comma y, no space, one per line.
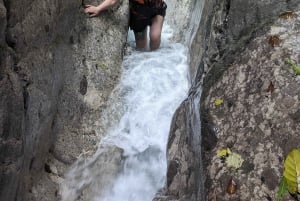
282,189
292,171
218,102
102,65
224,152
296,68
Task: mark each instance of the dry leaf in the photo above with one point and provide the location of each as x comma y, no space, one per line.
274,40
231,187
287,15
271,87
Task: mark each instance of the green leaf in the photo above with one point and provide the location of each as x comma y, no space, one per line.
290,63
292,171
102,65
219,102
282,189
224,152
296,70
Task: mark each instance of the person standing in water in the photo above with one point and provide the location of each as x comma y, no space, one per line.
143,13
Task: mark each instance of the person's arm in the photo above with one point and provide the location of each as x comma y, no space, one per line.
95,10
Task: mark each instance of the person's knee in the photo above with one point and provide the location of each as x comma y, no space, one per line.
155,39
155,42
155,32
141,39
155,36
141,44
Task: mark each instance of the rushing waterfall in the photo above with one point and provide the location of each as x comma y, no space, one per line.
154,83
152,86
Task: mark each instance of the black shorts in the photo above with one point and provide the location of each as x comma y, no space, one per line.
141,15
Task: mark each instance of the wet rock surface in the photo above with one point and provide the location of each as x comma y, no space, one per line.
94,175
57,69
184,165
11,130
179,21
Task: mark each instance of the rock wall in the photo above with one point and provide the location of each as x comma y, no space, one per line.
57,69
179,21
226,29
259,118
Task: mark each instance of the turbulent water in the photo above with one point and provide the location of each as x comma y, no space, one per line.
155,83
152,86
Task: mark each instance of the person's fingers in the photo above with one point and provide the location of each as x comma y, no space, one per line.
90,10
86,10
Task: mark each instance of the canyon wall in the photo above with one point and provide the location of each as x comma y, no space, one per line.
225,65
57,69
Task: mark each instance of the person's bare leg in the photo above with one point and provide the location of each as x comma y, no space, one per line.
155,31
141,39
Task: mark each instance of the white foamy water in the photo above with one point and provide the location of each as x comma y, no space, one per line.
152,86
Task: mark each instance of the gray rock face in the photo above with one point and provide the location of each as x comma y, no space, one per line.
178,17
225,30
256,119
11,118
57,69
2,22
184,177
11,128
90,177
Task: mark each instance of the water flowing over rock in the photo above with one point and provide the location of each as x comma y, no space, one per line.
92,177
58,69
152,86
